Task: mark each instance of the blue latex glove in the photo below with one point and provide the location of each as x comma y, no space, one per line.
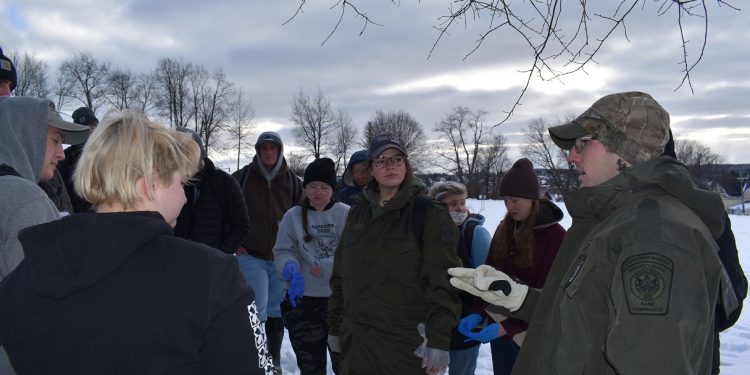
296,289
487,334
469,323
290,269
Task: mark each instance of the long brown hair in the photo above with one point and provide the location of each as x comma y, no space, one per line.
517,236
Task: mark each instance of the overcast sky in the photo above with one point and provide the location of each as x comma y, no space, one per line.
387,66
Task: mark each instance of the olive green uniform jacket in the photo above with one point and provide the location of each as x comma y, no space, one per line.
383,285
635,282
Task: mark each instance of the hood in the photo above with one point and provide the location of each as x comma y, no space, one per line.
413,186
63,258
549,214
664,173
479,219
269,137
356,158
23,134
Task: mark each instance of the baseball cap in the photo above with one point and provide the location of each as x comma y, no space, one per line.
382,142
631,124
74,134
85,116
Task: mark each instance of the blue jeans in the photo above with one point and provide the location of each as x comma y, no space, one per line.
504,353
261,275
463,362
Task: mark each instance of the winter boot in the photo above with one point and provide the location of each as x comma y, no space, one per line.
274,337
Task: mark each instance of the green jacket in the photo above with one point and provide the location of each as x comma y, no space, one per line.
634,285
383,285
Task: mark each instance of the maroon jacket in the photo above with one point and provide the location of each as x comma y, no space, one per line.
548,235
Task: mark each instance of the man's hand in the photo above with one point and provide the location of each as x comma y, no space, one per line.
436,361
490,285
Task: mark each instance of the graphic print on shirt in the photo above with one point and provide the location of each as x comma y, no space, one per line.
325,240
264,357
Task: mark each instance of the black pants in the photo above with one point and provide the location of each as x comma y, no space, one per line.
308,332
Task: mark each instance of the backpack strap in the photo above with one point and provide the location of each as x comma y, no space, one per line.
418,215
468,235
294,182
7,170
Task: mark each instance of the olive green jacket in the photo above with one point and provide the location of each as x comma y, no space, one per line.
634,285
383,285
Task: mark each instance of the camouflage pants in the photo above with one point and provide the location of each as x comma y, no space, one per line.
308,332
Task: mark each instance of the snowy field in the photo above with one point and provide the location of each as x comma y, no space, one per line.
735,342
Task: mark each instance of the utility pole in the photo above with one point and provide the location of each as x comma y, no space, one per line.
742,189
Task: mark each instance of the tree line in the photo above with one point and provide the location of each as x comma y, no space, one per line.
184,94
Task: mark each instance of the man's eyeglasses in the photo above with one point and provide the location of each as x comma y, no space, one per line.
382,161
582,142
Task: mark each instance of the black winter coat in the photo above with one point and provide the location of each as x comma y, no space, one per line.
215,213
117,293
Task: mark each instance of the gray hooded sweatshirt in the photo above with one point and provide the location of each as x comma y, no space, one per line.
23,141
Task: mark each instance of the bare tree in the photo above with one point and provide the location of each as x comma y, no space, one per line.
345,137
121,89
463,133
315,122
540,149
145,89
174,95
240,122
211,102
405,127
62,91
32,76
493,161
698,158
296,162
87,79
562,39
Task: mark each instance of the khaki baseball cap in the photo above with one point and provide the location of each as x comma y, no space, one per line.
631,124
73,134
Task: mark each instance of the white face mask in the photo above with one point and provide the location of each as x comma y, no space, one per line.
459,217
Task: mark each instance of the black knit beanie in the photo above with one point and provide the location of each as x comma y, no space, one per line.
323,170
520,181
8,70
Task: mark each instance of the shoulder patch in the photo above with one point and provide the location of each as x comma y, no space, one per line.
647,282
448,233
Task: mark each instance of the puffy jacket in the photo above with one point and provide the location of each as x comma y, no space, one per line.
215,213
383,284
634,284
548,234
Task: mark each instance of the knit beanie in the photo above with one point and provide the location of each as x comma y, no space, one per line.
7,70
323,170
520,181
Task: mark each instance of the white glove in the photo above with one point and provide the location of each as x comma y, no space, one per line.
488,283
436,361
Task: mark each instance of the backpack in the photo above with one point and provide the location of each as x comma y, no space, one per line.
7,170
293,178
418,215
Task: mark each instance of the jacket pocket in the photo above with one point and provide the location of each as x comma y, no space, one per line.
581,267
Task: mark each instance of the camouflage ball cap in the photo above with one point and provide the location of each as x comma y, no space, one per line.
631,124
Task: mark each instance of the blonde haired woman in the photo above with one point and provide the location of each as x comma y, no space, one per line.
114,291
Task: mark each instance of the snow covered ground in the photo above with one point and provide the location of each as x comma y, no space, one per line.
735,342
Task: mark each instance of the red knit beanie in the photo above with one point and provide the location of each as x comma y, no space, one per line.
520,181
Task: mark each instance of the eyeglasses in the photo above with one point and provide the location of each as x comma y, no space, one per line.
382,161
582,142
